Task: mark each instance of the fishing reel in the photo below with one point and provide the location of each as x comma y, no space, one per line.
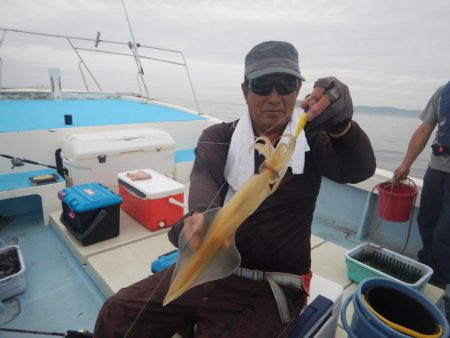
17,162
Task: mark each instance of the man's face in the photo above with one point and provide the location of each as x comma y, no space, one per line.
271,101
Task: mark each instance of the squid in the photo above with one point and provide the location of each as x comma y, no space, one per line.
217,256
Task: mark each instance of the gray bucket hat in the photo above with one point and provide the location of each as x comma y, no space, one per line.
272,57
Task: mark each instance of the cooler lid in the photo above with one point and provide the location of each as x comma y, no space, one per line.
89,196
158,186
113,142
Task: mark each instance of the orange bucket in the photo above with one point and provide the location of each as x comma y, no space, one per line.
396,201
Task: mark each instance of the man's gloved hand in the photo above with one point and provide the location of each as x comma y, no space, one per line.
329,107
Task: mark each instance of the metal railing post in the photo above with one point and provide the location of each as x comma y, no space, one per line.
190,82
85,66
1,62
134,53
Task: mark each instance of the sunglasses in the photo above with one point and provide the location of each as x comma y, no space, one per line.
264,87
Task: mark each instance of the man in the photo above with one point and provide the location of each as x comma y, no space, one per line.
276,238
434,212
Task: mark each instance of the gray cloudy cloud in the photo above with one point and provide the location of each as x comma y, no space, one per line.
390,53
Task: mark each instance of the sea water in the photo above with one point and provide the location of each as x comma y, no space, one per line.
389,134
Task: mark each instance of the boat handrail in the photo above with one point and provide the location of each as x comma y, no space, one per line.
1,64
132,45
139,79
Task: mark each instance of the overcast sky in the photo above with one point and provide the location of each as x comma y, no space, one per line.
389,52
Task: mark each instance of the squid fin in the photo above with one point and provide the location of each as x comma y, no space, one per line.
216,264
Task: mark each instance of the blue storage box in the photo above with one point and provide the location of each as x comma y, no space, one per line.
90,212
164,261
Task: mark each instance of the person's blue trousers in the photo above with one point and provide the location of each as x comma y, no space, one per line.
434,224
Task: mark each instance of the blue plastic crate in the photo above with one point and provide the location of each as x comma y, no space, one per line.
91,212
164,261
88,196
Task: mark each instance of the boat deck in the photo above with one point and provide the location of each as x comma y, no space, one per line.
67,283
27,115
59,294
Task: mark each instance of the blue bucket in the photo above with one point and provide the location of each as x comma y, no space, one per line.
384,308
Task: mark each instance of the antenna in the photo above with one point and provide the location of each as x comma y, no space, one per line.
134,49
1,64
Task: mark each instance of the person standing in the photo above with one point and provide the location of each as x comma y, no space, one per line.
434,213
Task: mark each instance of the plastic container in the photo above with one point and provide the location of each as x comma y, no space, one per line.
90,212
384,308
396,201
369,260
156,203
12,271
165,261
99,156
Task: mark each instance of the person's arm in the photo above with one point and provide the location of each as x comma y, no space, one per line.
206,189
421,136
345,159
418,141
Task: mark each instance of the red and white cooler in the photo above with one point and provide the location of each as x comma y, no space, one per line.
156,202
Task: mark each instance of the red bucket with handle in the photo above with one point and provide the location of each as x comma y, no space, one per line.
396,200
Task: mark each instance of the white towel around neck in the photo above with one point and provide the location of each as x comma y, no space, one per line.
240,164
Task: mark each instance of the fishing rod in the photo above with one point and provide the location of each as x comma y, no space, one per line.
20,162
68,334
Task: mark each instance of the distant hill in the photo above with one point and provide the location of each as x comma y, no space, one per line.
386,111
374,110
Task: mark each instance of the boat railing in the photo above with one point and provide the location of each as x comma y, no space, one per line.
133,46
357,214
1,65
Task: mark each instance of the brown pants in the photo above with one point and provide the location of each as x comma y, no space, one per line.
230,307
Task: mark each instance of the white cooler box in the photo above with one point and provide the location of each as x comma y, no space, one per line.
100,156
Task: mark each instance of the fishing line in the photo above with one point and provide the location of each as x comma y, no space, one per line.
263,134
207,209
275,124
146,303
167,270
219,143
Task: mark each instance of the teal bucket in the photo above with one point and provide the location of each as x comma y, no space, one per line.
384,308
